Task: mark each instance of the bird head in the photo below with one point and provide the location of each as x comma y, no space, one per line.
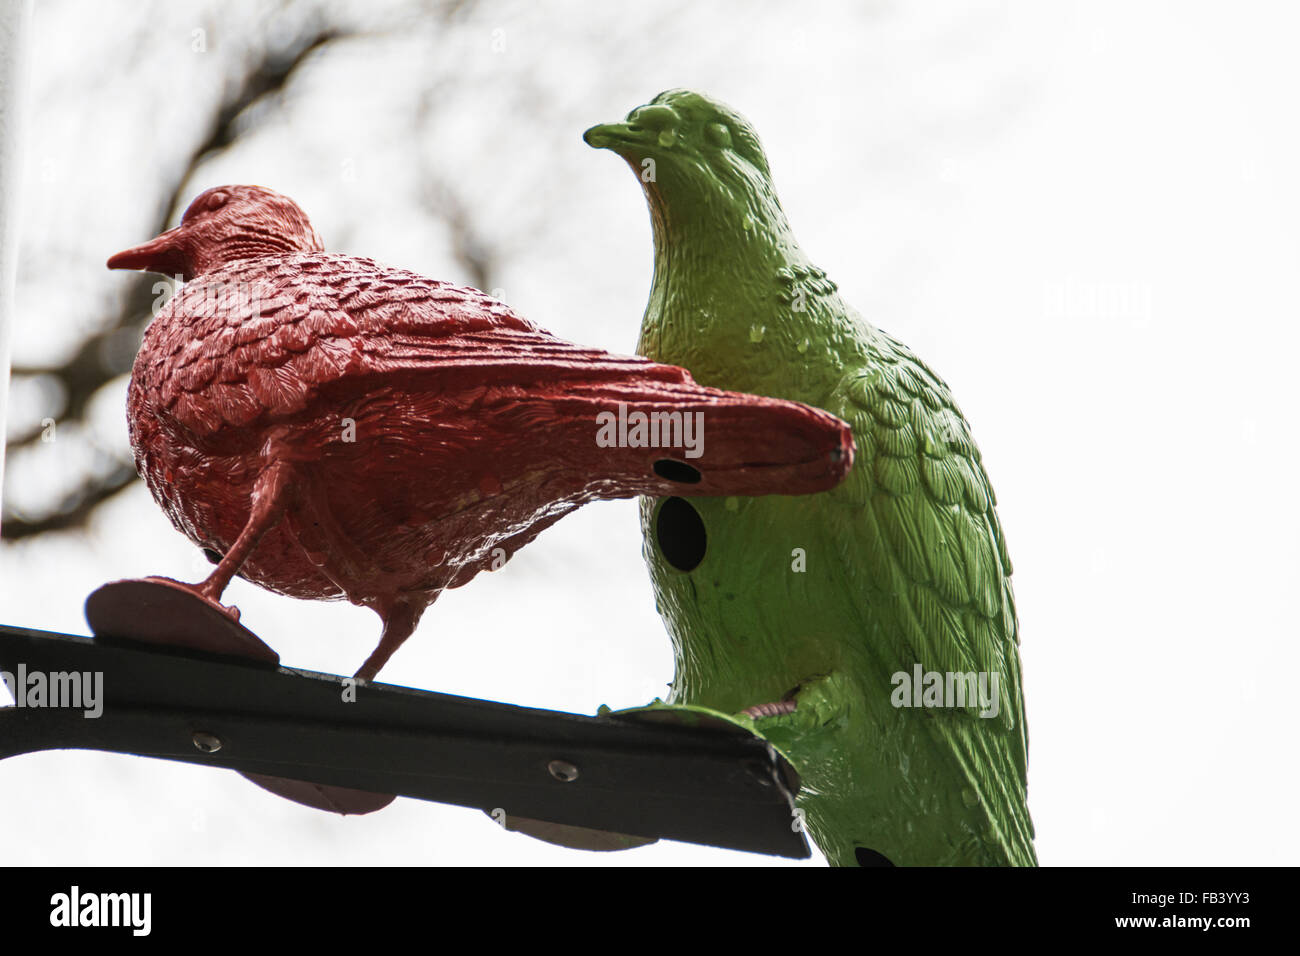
692,152
223,225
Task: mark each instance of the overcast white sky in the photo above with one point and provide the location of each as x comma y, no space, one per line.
1081,214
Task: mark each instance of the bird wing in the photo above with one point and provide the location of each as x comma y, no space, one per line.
929,539
267,337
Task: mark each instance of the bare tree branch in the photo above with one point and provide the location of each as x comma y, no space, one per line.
467,246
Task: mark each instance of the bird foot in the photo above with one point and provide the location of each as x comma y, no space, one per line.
808,713
158,610
198,590
776,708
204,595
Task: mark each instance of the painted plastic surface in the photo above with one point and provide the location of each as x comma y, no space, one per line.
824,599
376,435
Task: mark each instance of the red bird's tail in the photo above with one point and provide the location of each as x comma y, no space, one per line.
679,438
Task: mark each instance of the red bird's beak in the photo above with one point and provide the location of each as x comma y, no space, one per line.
163,254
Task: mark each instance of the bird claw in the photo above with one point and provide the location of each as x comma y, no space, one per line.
816,704
212,600
776,708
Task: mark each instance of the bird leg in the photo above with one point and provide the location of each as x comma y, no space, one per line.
270,496
774,709
814,704
400,618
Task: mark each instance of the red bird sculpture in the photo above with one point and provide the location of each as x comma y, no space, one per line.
334,428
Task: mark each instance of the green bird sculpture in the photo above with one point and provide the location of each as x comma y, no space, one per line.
868,632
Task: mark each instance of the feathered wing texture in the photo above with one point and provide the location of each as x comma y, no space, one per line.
917,519
246,349
905,563
907,567
476,428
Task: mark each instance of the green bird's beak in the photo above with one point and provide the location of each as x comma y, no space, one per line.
608,136
655,126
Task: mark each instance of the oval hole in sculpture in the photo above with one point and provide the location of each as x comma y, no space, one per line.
680,534
869,857
677,471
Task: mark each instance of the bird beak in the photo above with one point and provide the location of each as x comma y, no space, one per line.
608,136
164,254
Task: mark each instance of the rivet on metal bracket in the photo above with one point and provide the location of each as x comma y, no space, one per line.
563,771
206,743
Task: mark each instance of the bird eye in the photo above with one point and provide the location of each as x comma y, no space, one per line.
206,204
718,135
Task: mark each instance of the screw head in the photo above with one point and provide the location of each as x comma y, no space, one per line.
205,742
563,771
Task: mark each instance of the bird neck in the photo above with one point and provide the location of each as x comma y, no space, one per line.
719,214
214,256
730,282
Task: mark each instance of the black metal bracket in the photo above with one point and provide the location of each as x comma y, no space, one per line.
717,785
